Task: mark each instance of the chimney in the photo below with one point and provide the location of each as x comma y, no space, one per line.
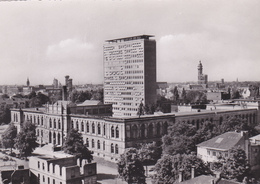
180,175
193,171
64,93
66,80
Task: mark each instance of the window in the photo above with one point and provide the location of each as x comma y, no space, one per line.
59,124
50,124
226,154
112,148
48,180
116,149
104,129
87,127
208,152
60,170
42,120
77,125
99,129
72,124
117,132
53,168
39,178
43,178
43,166
104,145
93,128
98,144
38,165
112,131
214,153
54,122
82,126
53,181
93,143
87,143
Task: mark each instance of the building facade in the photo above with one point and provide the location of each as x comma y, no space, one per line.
68,170
108,136
129,73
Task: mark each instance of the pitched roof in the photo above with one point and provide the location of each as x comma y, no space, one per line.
224,141
90,102
202,179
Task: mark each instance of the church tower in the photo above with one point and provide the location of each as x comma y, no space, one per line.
202,79
28,82
200,68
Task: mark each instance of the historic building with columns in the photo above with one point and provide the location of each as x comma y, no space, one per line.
109,136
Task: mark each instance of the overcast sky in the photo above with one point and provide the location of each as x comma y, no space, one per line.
49,39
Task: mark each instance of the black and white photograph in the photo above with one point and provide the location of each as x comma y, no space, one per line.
129,92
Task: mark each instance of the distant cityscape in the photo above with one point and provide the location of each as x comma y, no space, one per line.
202,124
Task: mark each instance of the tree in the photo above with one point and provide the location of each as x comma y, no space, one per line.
207,131
196,97
181,138
26,139
168,167
184,95
140,110
130,167
149,153
236,166
175,93
38,100
5,117
9,136
74,145
238,124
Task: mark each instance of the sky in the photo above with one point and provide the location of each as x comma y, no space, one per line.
46,39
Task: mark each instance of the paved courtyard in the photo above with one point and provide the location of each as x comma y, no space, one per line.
108,174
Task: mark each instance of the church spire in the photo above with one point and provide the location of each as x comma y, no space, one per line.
28,82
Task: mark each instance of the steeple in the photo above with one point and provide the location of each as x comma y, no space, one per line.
200,68
28,82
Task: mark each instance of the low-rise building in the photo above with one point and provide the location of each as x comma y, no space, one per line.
221,145
59,168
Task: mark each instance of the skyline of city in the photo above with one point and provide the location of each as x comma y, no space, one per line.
43,40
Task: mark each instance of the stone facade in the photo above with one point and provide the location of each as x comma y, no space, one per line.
109,136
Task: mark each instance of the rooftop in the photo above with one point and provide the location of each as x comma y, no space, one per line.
223,142
90,102
131,38
46,153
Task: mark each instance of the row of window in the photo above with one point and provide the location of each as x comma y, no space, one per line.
48,167
48,179
114,130
113,148
55,124
217,153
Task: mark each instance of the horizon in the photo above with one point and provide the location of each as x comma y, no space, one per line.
43,40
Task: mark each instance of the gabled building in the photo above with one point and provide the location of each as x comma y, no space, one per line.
221,145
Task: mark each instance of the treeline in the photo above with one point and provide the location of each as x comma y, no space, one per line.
81,96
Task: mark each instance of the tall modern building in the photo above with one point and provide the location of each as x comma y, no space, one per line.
129,73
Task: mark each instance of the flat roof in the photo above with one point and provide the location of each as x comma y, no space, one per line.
131,38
